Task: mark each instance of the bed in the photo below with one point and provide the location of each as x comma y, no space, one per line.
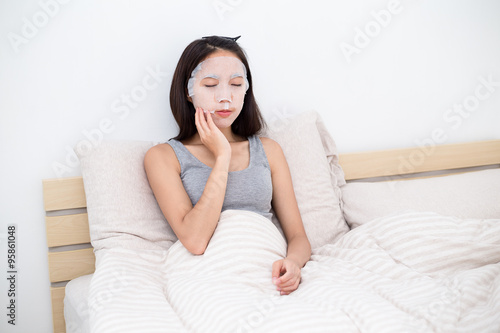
420,228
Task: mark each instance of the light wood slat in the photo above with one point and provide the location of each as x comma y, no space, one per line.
67,229
57,295
63,193
64,266
412,160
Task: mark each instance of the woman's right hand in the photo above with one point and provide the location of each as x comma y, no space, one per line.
211,136
193,225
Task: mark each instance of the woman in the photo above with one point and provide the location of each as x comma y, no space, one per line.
218,162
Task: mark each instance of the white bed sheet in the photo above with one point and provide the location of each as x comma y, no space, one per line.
76,309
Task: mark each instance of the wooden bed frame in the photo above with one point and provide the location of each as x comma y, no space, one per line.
67,229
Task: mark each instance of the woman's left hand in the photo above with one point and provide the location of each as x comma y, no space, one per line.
286,275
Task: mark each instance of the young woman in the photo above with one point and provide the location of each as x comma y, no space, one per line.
218,162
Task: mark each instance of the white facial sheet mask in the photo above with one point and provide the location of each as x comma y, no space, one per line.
218,83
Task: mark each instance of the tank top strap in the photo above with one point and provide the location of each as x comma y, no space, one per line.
184,156
257,151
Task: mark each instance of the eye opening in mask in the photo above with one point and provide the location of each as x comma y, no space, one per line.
236,75
209,82
237,80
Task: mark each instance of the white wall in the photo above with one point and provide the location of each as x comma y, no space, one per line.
67,78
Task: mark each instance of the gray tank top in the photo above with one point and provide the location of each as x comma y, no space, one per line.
247,189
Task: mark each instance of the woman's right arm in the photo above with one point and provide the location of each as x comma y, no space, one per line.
194,226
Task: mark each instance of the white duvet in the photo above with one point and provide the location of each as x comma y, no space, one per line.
410,272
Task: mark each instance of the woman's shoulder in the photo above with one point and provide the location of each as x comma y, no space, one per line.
269,144
159,150
274,153
161,154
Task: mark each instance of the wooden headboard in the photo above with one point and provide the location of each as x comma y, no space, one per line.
67,229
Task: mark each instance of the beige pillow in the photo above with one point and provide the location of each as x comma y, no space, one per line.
313,161
121,206
468,195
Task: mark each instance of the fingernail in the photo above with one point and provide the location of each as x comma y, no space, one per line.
204,111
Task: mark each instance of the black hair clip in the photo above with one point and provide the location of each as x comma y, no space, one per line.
234,39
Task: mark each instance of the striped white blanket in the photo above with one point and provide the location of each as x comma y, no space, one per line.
411,272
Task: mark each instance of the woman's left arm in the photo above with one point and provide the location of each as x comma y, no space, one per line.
286,272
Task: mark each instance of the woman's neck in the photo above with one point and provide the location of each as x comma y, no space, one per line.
230,136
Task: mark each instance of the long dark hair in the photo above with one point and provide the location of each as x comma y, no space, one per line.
249,121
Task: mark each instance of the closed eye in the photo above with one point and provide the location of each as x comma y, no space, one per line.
236,85
210,85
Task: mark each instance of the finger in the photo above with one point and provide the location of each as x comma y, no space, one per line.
294,283
288,291
289,278
286,277
276,270
203,121
197,122
290,283
210,121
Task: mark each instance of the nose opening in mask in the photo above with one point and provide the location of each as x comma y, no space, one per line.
226,102
220,100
